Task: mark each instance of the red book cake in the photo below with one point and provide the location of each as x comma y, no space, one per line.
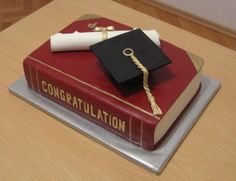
77,81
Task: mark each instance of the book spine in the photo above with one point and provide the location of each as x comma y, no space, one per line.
103,110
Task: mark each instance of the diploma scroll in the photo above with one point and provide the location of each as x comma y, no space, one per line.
82,41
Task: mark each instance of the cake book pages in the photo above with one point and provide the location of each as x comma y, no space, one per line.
77,81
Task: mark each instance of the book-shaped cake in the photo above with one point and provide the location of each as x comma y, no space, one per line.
77,81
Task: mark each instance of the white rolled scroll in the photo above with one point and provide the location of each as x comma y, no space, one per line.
82,41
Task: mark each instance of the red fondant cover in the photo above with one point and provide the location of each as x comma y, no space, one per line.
77,81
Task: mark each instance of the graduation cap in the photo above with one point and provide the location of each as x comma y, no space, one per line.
110,54
129,56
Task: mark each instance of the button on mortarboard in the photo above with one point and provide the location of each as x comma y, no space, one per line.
110,54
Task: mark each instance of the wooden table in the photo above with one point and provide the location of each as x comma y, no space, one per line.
35,146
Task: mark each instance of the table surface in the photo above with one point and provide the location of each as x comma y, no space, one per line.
35,146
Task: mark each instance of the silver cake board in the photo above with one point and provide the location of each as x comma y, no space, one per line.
155,160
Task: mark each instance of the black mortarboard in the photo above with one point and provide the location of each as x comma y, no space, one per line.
110,54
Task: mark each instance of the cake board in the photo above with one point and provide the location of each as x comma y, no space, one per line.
153,161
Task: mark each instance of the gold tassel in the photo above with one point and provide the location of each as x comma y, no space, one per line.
156,110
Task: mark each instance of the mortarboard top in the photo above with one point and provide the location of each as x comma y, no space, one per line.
110,54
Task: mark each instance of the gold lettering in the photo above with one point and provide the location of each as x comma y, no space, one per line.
105,116
91,111
80,102
86,107
62,95
68,98
110,120
44,84
56,92
50,89
121,125
114,122
99,115
74,102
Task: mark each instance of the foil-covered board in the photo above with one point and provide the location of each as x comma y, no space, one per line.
153,161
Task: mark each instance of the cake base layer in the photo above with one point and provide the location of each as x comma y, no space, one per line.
155,160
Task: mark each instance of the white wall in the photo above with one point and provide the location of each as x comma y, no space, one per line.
222,12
